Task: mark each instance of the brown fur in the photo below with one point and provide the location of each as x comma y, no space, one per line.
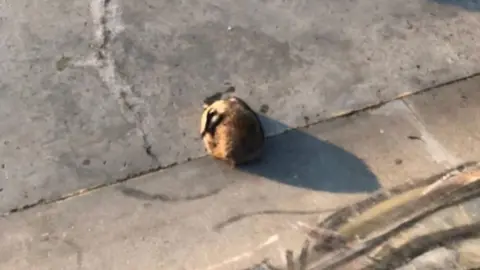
231,131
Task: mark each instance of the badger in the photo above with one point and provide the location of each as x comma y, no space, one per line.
231,131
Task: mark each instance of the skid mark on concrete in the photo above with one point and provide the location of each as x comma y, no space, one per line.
142,195
106,17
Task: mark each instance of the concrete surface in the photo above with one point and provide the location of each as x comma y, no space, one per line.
455,108
98,91
203,215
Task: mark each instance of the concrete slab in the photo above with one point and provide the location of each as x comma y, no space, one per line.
305,60
95,92
203,215
60,130
452,113
385,139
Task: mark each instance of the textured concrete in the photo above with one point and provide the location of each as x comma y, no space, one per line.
386,139
456,107
203,215
93,92
61,130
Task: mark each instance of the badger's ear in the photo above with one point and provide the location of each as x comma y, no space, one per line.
211,99
230,89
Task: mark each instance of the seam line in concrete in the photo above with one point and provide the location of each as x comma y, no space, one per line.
384,102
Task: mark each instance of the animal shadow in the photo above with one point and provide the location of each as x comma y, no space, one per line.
299,159
472,5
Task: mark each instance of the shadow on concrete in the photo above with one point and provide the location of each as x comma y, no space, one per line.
299,159
473,5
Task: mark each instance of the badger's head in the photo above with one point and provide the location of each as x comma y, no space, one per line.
212,116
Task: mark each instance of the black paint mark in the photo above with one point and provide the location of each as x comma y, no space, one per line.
62,63
86,162
413,137
307,119
148,149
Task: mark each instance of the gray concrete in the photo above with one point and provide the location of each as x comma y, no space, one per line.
456,108
93,93
203,215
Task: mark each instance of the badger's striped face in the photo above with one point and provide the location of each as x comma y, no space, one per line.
212,120
212,116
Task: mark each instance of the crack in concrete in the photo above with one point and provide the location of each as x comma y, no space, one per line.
106,17
84,191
